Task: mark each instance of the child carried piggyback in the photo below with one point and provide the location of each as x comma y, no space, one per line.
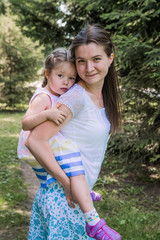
60,76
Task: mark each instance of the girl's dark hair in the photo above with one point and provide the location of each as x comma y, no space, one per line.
59,55
96,34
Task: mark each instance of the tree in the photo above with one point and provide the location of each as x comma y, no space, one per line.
38,19
2,7
54,23
19,62
134,26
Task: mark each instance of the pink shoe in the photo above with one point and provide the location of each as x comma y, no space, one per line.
95,196
102,232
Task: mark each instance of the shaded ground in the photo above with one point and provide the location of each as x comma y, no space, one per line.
148,181
32,184
152,190
31,181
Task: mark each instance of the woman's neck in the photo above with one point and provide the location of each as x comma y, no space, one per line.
91,88
94,91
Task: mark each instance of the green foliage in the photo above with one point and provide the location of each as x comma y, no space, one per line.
39,20
134,26
2,7
54,23
19,63
12,190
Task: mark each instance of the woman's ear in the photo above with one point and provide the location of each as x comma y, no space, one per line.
111,58
46,74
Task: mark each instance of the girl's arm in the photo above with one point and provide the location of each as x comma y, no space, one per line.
39,146
40,111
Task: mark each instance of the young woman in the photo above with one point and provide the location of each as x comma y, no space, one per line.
92,112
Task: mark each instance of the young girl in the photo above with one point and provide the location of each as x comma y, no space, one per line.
60,75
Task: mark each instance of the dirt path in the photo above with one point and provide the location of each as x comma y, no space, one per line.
32,184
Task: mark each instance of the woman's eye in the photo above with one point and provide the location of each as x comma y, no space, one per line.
80,61
97,59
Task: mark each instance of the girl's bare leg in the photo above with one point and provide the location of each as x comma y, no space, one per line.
81,193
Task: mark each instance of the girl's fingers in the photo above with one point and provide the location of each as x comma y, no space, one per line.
62,118
57,105
63,114
57,122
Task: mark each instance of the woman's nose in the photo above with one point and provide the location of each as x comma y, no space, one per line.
89,66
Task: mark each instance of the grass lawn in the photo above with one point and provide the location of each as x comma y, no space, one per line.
130,206
13,192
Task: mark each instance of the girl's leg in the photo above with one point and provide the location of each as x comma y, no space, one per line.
95,227
81,194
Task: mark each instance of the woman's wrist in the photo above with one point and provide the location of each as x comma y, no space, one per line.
65,182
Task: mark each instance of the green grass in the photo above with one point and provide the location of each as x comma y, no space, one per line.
126,206
13,192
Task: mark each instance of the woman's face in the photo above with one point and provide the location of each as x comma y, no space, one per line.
92,63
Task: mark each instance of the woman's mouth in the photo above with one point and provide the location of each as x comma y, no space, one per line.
91,75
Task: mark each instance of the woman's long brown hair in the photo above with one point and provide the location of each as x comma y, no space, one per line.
110,91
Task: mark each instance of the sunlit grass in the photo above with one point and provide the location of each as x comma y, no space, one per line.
12,189
125,206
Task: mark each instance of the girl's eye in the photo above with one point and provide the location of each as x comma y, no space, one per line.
60,75
72,78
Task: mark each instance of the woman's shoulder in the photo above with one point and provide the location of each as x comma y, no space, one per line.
76,88
73,98
73,93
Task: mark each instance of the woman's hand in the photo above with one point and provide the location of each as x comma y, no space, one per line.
70,200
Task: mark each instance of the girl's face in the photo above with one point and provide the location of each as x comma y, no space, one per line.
92,63
61,78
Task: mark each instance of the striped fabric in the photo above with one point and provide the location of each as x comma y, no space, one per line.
66,153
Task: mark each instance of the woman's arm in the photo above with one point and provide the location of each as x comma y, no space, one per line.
39,146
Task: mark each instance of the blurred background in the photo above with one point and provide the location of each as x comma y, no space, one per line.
30,30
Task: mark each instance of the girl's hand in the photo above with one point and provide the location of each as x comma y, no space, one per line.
55,115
